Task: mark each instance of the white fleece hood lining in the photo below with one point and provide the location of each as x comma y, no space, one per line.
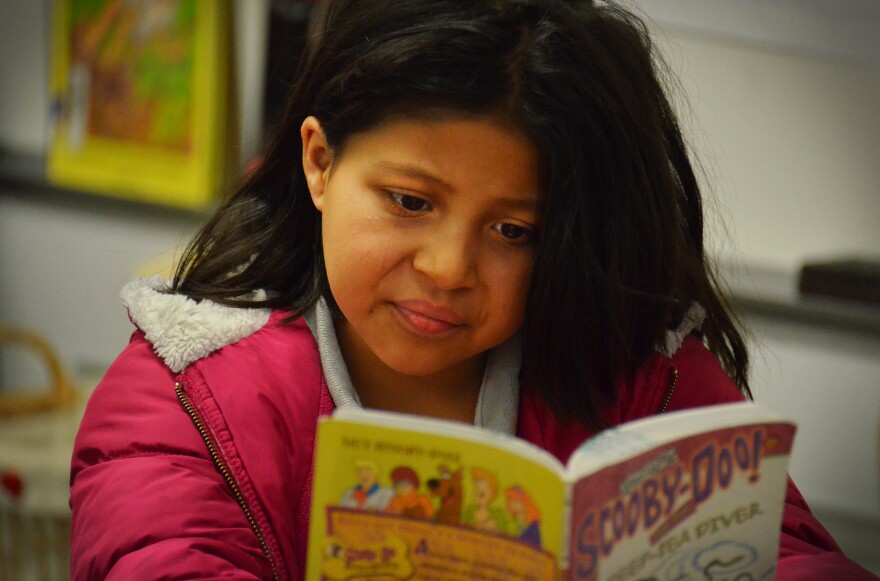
692,321
182,330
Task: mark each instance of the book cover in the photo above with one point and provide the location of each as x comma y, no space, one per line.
390,503
699,507
688,495
141,98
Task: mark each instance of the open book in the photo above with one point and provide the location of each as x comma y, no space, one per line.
689,495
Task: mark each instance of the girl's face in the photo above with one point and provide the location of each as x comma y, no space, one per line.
428,237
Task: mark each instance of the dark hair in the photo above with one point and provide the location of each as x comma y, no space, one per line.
620,252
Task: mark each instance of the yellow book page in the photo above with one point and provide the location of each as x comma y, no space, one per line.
391,504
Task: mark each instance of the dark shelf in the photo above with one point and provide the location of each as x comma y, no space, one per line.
24,176
775,293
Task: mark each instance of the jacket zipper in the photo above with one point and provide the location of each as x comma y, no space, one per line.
224,471
673,372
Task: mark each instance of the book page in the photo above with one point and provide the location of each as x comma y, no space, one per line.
393,504
703,507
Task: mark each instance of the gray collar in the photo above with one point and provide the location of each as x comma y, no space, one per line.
497,403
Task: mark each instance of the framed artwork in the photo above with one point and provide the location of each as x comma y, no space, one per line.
141,96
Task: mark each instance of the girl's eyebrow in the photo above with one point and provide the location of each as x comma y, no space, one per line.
527,204
413,171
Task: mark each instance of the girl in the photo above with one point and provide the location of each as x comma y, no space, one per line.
479,210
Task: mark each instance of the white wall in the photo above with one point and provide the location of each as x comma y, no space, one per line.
62,265
24,93
795,142
782,105
839,29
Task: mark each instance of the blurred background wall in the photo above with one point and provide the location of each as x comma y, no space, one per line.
782,105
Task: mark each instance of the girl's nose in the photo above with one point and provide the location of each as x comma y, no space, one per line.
449,261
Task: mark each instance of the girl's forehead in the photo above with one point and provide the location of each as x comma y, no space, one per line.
434,126
451,153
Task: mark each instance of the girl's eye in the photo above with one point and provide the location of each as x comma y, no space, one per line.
408,203
515,233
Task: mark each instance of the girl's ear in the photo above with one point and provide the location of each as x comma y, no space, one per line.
316,159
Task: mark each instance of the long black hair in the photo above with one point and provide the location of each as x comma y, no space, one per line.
620,253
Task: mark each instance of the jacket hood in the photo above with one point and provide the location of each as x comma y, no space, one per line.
182,330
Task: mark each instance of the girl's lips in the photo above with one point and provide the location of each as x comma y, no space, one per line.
427,319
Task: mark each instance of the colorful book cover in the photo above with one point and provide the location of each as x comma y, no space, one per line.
140,94
705,507
392,504
398,497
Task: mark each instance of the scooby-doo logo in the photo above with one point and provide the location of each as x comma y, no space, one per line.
344,561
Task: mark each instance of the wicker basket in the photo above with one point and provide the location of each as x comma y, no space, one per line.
37,430
34,547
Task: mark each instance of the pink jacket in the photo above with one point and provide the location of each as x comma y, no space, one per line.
207,473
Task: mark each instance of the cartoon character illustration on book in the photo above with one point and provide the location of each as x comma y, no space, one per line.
367,494
481,513
525,514
448,489
408,501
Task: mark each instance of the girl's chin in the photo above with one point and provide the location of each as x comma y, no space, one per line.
411,368
406,362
